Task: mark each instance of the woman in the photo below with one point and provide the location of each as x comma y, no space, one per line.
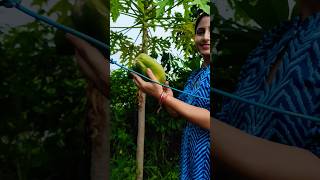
195,149
283,71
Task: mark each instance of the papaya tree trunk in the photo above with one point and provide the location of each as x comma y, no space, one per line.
141,132
97,124
141,111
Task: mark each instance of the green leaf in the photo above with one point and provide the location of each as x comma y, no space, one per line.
115,9
162,5
202,4
141,6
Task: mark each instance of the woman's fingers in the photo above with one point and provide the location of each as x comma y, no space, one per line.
151,75
164,87
169,91
137,80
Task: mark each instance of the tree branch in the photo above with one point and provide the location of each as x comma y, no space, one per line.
130,15
128,27
135,11
121,27
174,6
137,37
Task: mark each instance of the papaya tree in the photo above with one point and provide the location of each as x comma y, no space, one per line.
150,15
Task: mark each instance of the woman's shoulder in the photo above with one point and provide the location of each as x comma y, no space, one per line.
270,38
304,30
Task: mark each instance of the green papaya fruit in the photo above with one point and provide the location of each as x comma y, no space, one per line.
144,61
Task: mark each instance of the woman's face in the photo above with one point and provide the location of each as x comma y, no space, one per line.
202,37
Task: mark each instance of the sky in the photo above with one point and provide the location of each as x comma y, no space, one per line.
13,17
125,21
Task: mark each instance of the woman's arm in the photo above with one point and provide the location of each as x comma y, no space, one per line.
92,64
194,114
242,155
171,111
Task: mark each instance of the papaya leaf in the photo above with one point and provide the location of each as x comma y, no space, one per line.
162,5
141,6
115,10
202,4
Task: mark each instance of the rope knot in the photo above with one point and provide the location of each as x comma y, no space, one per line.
9,3
112,61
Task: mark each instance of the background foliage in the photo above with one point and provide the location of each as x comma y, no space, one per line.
42,102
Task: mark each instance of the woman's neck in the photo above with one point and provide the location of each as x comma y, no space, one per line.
206,61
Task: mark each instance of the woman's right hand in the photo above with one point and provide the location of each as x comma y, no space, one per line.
169,92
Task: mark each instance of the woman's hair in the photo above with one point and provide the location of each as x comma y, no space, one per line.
203,14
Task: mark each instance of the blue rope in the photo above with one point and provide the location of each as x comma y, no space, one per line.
229,95
9,3
114,62
16,4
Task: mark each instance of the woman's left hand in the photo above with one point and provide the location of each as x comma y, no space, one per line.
149,88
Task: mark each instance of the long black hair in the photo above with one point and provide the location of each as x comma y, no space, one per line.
201,15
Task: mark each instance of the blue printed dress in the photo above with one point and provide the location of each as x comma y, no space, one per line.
195,147
295,86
